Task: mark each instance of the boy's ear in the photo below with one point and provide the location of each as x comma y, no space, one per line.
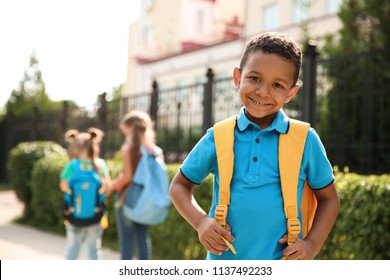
237,77
292,92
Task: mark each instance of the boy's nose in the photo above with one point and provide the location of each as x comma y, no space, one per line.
262,90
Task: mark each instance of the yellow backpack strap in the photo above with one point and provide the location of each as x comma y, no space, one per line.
291,147
224,145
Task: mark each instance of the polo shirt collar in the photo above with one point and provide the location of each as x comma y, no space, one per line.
280,122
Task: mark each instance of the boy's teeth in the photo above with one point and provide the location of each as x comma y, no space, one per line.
260,103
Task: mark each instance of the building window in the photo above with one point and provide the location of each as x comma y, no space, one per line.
200,21
148,4
333,6
300,10
271,17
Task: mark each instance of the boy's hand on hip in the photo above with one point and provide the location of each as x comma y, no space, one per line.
210,232
300,250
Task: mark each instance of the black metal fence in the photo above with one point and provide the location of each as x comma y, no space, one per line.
353,110
346,99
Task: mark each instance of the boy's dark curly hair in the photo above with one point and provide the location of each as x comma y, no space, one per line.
275,43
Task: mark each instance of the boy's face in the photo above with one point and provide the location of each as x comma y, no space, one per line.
265,84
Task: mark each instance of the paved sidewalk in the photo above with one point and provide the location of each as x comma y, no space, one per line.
18,242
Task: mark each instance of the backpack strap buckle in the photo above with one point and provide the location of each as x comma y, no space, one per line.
221,214
293,228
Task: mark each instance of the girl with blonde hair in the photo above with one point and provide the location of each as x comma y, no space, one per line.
83,152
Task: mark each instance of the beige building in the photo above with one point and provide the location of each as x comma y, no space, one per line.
174,41
319,17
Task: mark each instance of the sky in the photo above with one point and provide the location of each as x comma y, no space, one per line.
81,45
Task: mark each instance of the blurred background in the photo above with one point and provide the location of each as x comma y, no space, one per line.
77,64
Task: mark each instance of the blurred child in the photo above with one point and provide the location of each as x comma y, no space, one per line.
137,127
84,180
266,79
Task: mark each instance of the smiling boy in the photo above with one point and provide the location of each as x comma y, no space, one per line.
266,80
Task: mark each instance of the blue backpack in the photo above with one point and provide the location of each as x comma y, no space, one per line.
146,200
84,202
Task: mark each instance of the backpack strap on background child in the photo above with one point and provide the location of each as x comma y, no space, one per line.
224,144
291,147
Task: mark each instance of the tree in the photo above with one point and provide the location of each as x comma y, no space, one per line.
357,69
30,92
365,25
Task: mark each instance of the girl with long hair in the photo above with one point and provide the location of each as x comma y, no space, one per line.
137,128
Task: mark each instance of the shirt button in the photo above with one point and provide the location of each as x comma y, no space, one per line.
255,159
257,140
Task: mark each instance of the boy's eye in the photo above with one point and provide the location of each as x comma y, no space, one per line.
253,78
277,85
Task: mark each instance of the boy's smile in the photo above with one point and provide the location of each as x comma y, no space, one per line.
259,104
265,84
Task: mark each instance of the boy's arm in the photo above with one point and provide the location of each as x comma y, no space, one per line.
209,230
325,217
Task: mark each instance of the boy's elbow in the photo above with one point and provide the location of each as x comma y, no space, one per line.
335,202
177,186
173,189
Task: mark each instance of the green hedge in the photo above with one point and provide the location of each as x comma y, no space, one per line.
361,230
176,239
47,198
20,164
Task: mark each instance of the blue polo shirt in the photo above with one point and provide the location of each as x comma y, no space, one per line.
256,213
